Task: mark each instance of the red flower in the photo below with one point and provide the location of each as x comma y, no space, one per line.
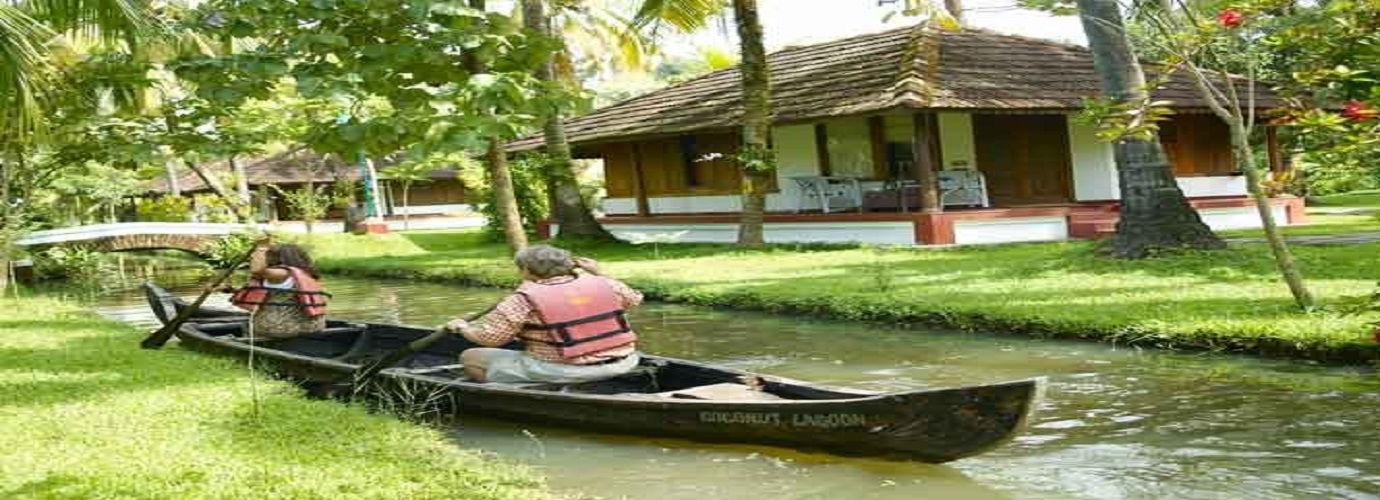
1230,18
1375,333
1357,111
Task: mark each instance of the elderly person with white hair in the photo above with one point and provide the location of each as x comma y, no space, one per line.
573,326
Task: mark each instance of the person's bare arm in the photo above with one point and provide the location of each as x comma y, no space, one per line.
258,262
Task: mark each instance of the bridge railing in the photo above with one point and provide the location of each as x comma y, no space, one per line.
97,231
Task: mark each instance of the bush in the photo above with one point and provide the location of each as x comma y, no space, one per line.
81,265
164,209
529,186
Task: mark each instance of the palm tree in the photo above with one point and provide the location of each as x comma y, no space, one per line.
1154,212
573,217
756,160
25,30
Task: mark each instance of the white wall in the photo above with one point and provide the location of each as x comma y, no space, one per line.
956,141
879,233
1240,217
1094,165
795,155
1227,185
1094,171
968,232
457,208
850,147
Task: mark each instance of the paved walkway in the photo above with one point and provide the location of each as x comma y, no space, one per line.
1331,239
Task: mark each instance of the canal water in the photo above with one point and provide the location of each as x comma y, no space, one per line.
1115,423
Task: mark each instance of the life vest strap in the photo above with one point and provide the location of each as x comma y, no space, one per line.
562,329
285,290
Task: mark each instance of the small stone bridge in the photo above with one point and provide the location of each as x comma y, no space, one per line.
126,236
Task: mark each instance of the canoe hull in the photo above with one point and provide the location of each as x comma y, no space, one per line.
929,425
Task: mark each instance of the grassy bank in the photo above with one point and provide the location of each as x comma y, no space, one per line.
87,414
1227,300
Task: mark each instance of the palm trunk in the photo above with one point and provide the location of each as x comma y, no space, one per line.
760,166
174,189
568,208
1155,214
242,189
216,187
407,212
1284,259
500,179
506,200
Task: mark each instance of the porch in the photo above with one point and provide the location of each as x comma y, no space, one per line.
956,226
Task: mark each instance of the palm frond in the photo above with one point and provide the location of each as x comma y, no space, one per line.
112,20
21,64
685,16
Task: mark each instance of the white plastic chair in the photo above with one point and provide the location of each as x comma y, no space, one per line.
827,189
962,187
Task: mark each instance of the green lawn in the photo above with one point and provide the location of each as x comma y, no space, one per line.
1354,199
86,413
1216,300
1319,224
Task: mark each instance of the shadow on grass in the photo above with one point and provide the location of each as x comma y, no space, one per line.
85,366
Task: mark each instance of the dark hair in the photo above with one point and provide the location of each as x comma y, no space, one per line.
290,255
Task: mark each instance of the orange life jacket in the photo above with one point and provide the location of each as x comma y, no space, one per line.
310,296
579,317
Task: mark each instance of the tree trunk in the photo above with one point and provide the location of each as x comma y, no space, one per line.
216,187
500,179
1154,212
955,8
170,169
573,217
1284,259
760,166
407,212
242,189
504,198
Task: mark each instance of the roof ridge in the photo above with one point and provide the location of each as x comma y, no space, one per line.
914,84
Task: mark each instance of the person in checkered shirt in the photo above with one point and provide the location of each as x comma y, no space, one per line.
543,359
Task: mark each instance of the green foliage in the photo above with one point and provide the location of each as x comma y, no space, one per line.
80,265
530,176
308,203
223,251
213,208
395,64
164,209
1125,120
1220,300
757,159
91,414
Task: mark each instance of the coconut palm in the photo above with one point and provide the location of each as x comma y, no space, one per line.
27,27
1154,212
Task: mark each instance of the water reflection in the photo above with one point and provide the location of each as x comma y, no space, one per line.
1114,423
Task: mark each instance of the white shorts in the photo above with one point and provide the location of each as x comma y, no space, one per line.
516,366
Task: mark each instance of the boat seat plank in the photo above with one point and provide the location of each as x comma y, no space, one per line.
720,392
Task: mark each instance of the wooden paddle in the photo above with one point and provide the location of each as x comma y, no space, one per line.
366,373
156,339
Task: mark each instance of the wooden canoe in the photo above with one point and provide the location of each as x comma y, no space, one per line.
664,397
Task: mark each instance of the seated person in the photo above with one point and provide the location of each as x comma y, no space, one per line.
572,326
283,281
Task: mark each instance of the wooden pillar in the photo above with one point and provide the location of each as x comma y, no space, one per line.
1272,149
639,185
822,150
876,135
925,162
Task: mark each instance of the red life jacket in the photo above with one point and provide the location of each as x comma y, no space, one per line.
308,291
579,317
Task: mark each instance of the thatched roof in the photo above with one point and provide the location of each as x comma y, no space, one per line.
297,166
910,67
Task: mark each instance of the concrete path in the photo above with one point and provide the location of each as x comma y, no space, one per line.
1332,239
